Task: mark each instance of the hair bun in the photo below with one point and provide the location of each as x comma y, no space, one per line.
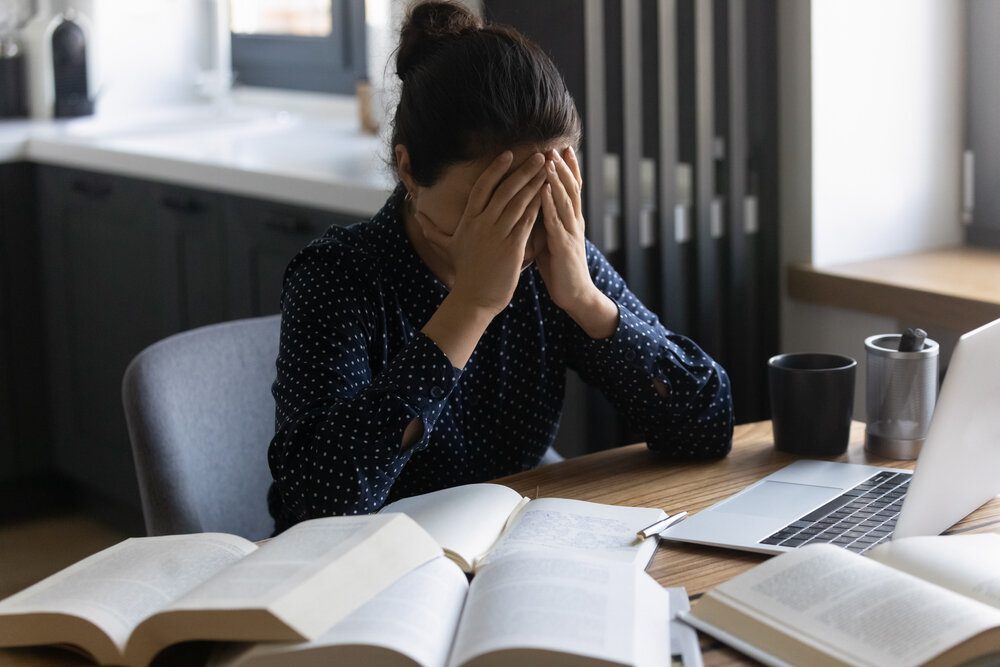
427,27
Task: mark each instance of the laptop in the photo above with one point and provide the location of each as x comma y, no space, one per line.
859,506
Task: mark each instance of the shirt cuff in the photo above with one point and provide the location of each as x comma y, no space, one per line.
629,360
422,378
634,343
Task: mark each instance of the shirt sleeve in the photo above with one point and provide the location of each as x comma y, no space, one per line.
694,417
339,423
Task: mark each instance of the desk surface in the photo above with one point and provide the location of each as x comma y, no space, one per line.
635,476
952,287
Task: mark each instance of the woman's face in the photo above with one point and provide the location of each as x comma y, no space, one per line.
444,202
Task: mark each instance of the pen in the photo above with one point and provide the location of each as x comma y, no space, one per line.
660,526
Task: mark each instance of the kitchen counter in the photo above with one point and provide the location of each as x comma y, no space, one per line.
311,160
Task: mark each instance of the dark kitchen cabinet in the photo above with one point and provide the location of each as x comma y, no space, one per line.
101,303
128,262
263,237
24,436
190,225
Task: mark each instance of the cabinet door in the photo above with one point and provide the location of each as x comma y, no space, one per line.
8,438
263,237
128,263
23,424
189,228
115,289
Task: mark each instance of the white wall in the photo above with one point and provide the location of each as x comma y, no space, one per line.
871,112
887,130
150,52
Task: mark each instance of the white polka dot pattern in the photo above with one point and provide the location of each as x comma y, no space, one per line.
354,369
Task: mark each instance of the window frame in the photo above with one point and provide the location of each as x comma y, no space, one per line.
330,64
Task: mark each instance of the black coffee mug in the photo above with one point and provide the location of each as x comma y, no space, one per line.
812,402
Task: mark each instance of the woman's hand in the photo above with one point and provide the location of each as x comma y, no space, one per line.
488,246
563,262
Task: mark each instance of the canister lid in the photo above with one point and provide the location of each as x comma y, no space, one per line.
887,345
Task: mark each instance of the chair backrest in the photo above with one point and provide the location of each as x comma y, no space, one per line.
200,416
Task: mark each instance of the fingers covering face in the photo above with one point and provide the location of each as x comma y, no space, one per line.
565,199
521,201
487,182
512,186
522,231
570,182
570,156
549,214
504,196
431,231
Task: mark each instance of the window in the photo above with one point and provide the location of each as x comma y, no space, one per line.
314,45
304,18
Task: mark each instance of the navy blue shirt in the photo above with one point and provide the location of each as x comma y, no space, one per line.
354,369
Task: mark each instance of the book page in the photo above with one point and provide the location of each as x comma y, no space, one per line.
278,564
416,617
652,623
465,520
966,564
538,601
120,586
853,608
558,525
296,586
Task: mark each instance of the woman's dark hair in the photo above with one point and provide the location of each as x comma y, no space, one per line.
471,90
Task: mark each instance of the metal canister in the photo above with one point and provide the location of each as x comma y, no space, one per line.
900,397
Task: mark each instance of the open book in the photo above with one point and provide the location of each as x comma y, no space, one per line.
918,600
126,603
479,523
526,609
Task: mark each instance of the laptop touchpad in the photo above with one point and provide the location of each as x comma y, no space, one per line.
779,499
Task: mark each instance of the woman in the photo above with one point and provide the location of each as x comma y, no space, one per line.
428,347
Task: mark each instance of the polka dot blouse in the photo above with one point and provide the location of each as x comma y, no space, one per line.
354,369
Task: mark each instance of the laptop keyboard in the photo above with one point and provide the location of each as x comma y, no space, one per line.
858,519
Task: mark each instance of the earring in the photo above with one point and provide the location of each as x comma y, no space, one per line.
408,196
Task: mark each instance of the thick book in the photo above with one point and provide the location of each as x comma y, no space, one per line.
527,608
476,524
125,604
914,601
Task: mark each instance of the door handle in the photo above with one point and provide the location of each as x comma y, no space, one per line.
92,189
289,224
183,205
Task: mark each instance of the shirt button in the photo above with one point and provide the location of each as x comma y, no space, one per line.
437,392
630,355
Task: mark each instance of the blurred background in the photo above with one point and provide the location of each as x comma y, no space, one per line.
768,175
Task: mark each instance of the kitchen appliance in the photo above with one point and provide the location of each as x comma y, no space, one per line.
13,96
14,14
59,47
69,69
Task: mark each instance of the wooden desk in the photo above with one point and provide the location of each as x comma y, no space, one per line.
955,288
635,476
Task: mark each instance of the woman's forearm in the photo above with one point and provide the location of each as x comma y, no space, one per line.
456,328
596,314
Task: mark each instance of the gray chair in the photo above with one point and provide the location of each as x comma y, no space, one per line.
200,416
